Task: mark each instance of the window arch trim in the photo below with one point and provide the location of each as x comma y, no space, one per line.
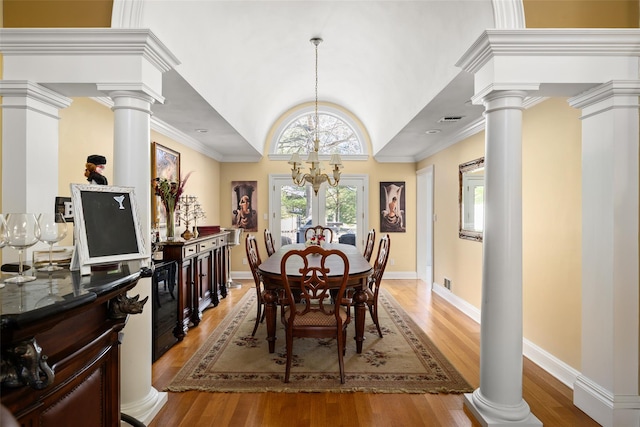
298,112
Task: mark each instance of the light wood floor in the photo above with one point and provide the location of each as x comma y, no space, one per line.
455,334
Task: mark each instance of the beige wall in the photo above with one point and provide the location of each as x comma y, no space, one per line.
403,246
204,181
457,259
551,187
86,127
581,13
552,221
57,13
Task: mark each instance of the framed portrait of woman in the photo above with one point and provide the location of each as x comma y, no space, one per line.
244,198
392,207
165,163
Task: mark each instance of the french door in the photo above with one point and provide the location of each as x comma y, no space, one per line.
293,209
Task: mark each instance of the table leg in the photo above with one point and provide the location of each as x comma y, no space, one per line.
270,309
360,299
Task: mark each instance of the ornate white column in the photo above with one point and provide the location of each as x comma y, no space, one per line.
132,168
607,389
499,400
29,149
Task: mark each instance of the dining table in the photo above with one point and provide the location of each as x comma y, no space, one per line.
359,272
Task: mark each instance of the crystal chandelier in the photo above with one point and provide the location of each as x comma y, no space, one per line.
315,177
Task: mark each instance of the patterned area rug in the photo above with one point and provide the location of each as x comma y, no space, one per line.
404,361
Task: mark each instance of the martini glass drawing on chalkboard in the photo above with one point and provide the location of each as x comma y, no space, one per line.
53,228
23,232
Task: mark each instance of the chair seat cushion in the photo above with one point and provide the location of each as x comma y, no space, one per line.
315,318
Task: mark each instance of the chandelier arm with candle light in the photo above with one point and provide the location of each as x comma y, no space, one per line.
315,177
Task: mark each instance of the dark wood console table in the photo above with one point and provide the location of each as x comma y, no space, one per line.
202,275
60,346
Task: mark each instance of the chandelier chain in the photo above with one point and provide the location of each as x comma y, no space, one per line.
317,140
315,176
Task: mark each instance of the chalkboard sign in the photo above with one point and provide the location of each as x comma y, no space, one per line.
107,224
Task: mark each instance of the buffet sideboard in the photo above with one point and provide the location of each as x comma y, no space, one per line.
60,346
202,275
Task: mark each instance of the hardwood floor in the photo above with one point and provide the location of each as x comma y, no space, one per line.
456,335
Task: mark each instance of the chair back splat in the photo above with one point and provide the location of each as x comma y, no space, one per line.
268,241
253,256
319,230
375,281
369,244
317,315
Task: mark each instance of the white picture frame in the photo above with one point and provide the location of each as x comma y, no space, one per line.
107,226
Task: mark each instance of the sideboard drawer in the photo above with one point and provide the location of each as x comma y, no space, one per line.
207,245
189,251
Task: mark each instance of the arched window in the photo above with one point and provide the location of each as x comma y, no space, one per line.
338,134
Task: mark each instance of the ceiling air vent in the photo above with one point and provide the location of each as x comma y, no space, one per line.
449,119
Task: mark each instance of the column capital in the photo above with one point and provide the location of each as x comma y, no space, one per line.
504,91
131,100
617,93
20,93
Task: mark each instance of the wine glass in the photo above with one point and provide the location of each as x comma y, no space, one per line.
3,231
53,228
23,232
3,237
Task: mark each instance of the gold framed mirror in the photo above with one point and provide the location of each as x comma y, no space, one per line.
471,200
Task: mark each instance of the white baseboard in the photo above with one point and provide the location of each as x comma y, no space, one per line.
554,366
457,302
242,275
400,275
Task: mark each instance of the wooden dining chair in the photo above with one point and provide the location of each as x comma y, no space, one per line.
317,315
375,281
253,256
268,241
319,230
370,243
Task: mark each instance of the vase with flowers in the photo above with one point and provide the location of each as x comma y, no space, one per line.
315,240
169,192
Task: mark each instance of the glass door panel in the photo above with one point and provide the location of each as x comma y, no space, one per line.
293,209
295,213
341,204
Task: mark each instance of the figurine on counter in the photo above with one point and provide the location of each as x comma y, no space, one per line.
94,169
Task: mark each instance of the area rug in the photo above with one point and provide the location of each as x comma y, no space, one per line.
403,361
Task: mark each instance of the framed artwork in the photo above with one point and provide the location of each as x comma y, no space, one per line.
392,207
244,198
165,163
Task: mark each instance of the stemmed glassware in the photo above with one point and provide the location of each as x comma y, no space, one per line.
53,228
22,232
3,237
3,231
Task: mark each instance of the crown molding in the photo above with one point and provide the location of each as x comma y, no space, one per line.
550,42
87,41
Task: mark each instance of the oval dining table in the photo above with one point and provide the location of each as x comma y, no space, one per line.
359,272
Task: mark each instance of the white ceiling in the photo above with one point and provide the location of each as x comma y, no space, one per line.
390,63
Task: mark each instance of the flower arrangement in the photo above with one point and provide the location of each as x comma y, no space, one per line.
169,192
316,239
